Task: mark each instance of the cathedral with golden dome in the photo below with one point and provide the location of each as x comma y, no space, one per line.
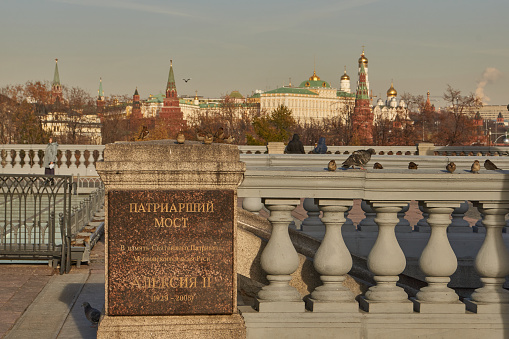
392,108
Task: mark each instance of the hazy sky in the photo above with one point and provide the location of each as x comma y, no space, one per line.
247,45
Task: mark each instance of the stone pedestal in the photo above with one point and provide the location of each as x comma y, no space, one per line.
426,148
276,147
170,240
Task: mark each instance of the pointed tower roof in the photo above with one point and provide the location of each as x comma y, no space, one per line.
56,77
171,78
136,91
362,89
100,91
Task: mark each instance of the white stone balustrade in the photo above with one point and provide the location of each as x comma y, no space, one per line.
387,193
65,166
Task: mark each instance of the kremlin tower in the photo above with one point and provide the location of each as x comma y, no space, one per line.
363,61
136,112
362,118
56,88
100,97
171,112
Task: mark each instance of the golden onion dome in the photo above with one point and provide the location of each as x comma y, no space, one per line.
345,76
363,59
391,92
314,77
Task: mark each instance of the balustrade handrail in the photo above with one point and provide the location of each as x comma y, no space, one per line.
402,185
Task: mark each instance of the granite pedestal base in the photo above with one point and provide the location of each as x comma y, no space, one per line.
192,327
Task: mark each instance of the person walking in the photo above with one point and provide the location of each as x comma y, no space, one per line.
50,158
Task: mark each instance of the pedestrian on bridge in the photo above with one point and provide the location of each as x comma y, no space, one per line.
50,158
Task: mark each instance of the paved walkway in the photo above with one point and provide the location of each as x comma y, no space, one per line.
37,302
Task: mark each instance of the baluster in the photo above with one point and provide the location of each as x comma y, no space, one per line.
279,259
422,225
438,262
17,159
72,165
36,159
491,262
386,260
8,159
458,224
333,261
368,224
403,225
253,205
312,225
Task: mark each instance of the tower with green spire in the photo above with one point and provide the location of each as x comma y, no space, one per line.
56,87
362,118
101,102
171,112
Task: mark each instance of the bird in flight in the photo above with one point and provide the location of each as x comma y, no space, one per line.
186,80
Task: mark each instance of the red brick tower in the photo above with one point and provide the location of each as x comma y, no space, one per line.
136,113
362,118
171,112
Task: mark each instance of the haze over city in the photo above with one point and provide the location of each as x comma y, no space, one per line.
245,46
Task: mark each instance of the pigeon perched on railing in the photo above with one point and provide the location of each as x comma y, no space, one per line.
93,315
358,158
490,165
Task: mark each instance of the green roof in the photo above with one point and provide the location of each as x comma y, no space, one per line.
256,95
171,78
291,90
158,98
236,95
345,94
314,84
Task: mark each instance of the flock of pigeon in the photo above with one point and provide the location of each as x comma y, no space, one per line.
361,157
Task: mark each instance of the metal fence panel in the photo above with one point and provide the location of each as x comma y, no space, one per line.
28,207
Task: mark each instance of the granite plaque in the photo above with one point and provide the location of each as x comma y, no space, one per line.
170,252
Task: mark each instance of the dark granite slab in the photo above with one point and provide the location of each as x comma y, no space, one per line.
170,252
